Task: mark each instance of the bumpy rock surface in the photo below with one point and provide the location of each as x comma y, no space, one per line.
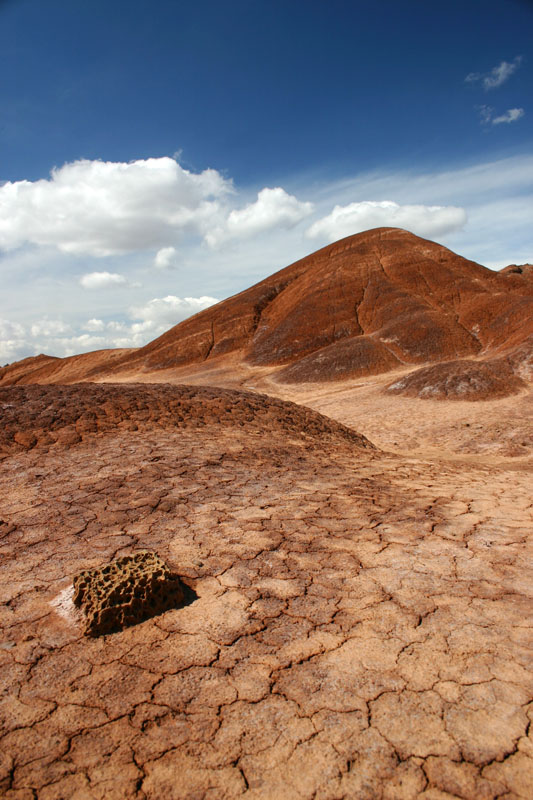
125,592
362,627
43,416
460,380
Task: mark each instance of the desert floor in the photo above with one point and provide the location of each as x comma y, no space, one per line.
361,619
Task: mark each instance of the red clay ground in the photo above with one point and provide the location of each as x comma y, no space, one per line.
359,624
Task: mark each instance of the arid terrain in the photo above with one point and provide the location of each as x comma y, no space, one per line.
353,523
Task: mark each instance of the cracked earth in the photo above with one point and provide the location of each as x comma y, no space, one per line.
358,624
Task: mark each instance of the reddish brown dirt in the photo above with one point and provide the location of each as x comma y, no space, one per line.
360,619
361,627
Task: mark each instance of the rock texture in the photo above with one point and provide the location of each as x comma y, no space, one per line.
358,307
43,417
125,592
362,627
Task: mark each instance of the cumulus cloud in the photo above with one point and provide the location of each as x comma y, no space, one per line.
50,327
356,217
165,258
101,280
144,323
273,208
497,195
13,344
511,115
94,325
497,75
73,345
103,208
170,310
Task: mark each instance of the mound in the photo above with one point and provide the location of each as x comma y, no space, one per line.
45,415
460,380
525,270
417,300
349,358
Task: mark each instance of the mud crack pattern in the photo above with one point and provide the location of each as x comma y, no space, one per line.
361,627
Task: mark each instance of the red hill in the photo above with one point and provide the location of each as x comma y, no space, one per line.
363,305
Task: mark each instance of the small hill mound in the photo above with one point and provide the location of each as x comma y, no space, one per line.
349,358
526,270
35,416
460,380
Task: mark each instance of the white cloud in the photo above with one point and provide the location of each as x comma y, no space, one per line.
55,337
50,327
13,344
497,75
145,323
73,345
116,326
101,280
356,217
94,325
170,310
101,208
274,208
485,112
11,330
165,258
511,115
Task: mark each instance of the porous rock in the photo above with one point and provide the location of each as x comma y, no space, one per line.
125,592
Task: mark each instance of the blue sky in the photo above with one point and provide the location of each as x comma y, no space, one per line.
158,156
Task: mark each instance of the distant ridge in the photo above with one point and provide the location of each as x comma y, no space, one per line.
364,305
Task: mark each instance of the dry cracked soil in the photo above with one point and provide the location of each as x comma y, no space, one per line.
358,622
